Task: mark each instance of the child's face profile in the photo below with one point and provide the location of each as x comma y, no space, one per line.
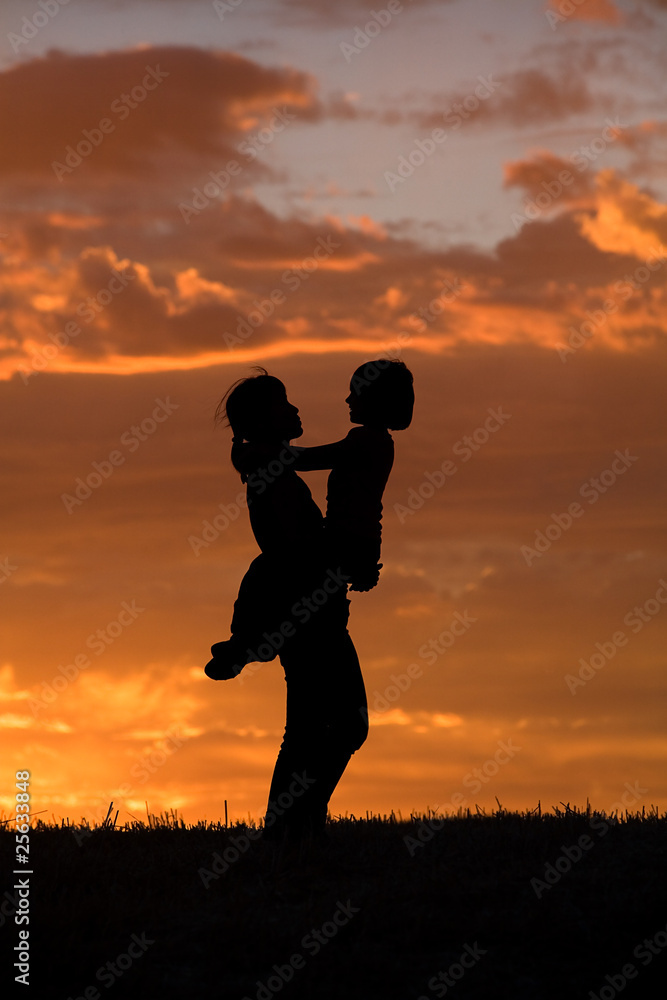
358,411
362,408
368,395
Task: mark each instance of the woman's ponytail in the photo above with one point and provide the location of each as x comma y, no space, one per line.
240,407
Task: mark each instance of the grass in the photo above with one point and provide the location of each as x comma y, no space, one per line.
392,914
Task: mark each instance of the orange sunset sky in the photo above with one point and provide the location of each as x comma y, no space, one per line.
193,188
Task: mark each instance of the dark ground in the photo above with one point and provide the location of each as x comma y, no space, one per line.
391,916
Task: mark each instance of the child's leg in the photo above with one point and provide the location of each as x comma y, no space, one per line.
252,610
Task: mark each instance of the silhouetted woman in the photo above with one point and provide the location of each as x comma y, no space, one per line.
292,601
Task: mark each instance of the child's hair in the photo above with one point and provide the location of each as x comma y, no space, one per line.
244,408
386,385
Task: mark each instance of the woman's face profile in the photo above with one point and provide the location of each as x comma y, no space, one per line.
281,421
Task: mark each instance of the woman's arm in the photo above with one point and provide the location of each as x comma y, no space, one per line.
323,456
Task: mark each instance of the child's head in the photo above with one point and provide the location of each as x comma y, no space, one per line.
258,410
381,394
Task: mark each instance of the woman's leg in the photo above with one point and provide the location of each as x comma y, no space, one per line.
327,721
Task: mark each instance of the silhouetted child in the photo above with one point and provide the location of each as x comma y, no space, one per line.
381,398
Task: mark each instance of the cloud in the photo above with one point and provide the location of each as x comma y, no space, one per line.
257,285
119,308
586,10
525,97
199,104
522,97
627,220
141,287
100,306
536,175
642,136
348,12
530,95
615,12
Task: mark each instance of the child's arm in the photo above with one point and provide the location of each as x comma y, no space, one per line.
366,578
323,456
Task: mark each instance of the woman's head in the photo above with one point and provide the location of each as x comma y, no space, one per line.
257,410
382,394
